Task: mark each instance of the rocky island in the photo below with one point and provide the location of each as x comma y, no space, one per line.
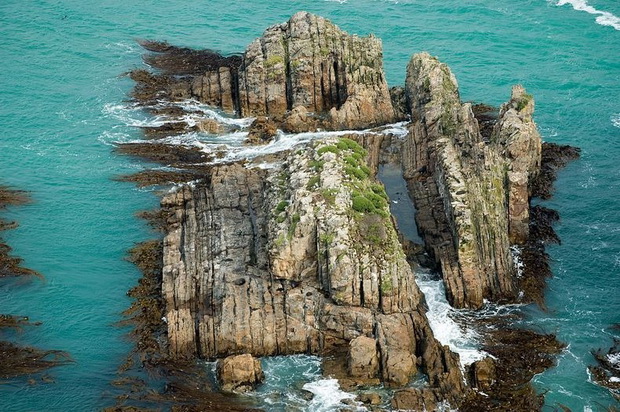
280,249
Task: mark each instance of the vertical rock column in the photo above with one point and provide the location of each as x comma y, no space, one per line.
458,185
518,138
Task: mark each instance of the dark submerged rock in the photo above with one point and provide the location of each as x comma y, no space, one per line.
606,372
554,157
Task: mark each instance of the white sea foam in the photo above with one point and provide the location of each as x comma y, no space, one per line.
328,396
399,130
615,119
604,18
516,258
440,315
614,359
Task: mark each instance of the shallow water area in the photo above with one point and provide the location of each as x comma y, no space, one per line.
60,99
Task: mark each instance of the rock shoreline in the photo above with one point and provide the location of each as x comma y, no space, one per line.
303,256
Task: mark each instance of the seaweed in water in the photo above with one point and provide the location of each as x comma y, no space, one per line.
607,371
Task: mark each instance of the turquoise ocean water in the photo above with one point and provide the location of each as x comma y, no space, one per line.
60,62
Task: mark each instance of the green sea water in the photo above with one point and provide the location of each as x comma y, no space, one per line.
60,62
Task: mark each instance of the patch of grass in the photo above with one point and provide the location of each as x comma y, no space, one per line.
294,221
356,172
282,206
363,205
313,182
328,148
349,144
386,285
329,195
524,101
279,242
273,60
326,238
317,165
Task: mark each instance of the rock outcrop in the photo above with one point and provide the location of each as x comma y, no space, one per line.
516,133
306,63
300,254
301,259
239,373
363,358
468,192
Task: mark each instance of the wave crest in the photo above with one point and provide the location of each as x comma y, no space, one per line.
604,18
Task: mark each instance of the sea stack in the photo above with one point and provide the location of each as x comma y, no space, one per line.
296,251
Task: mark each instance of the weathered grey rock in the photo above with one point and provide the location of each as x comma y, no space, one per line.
467,191
400,103
306,62
363,359
276,261
209,126
299,120
517,134
216,88
370,398
240,373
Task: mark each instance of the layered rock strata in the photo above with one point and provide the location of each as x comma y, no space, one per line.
302,259
471,195
303,256
306,64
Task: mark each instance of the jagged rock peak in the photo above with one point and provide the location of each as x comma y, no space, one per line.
301,258
517,134
469,193
306,62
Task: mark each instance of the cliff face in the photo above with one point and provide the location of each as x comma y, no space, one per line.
300,259
468,192
306,64
302,256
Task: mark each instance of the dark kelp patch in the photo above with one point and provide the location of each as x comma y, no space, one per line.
22,360
10,265
18,360
554,157
606,372
163,153
519,355
182,385
158,177
185,61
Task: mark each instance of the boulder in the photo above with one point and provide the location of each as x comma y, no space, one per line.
363,359
240,373
209,126
483,374
369,398
262,131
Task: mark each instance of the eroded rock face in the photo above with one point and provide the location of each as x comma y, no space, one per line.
468,192
309,62
363,359
517,134
262,130
239,373
306,63
301,259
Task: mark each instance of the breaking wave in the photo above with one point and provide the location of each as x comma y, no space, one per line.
604,18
